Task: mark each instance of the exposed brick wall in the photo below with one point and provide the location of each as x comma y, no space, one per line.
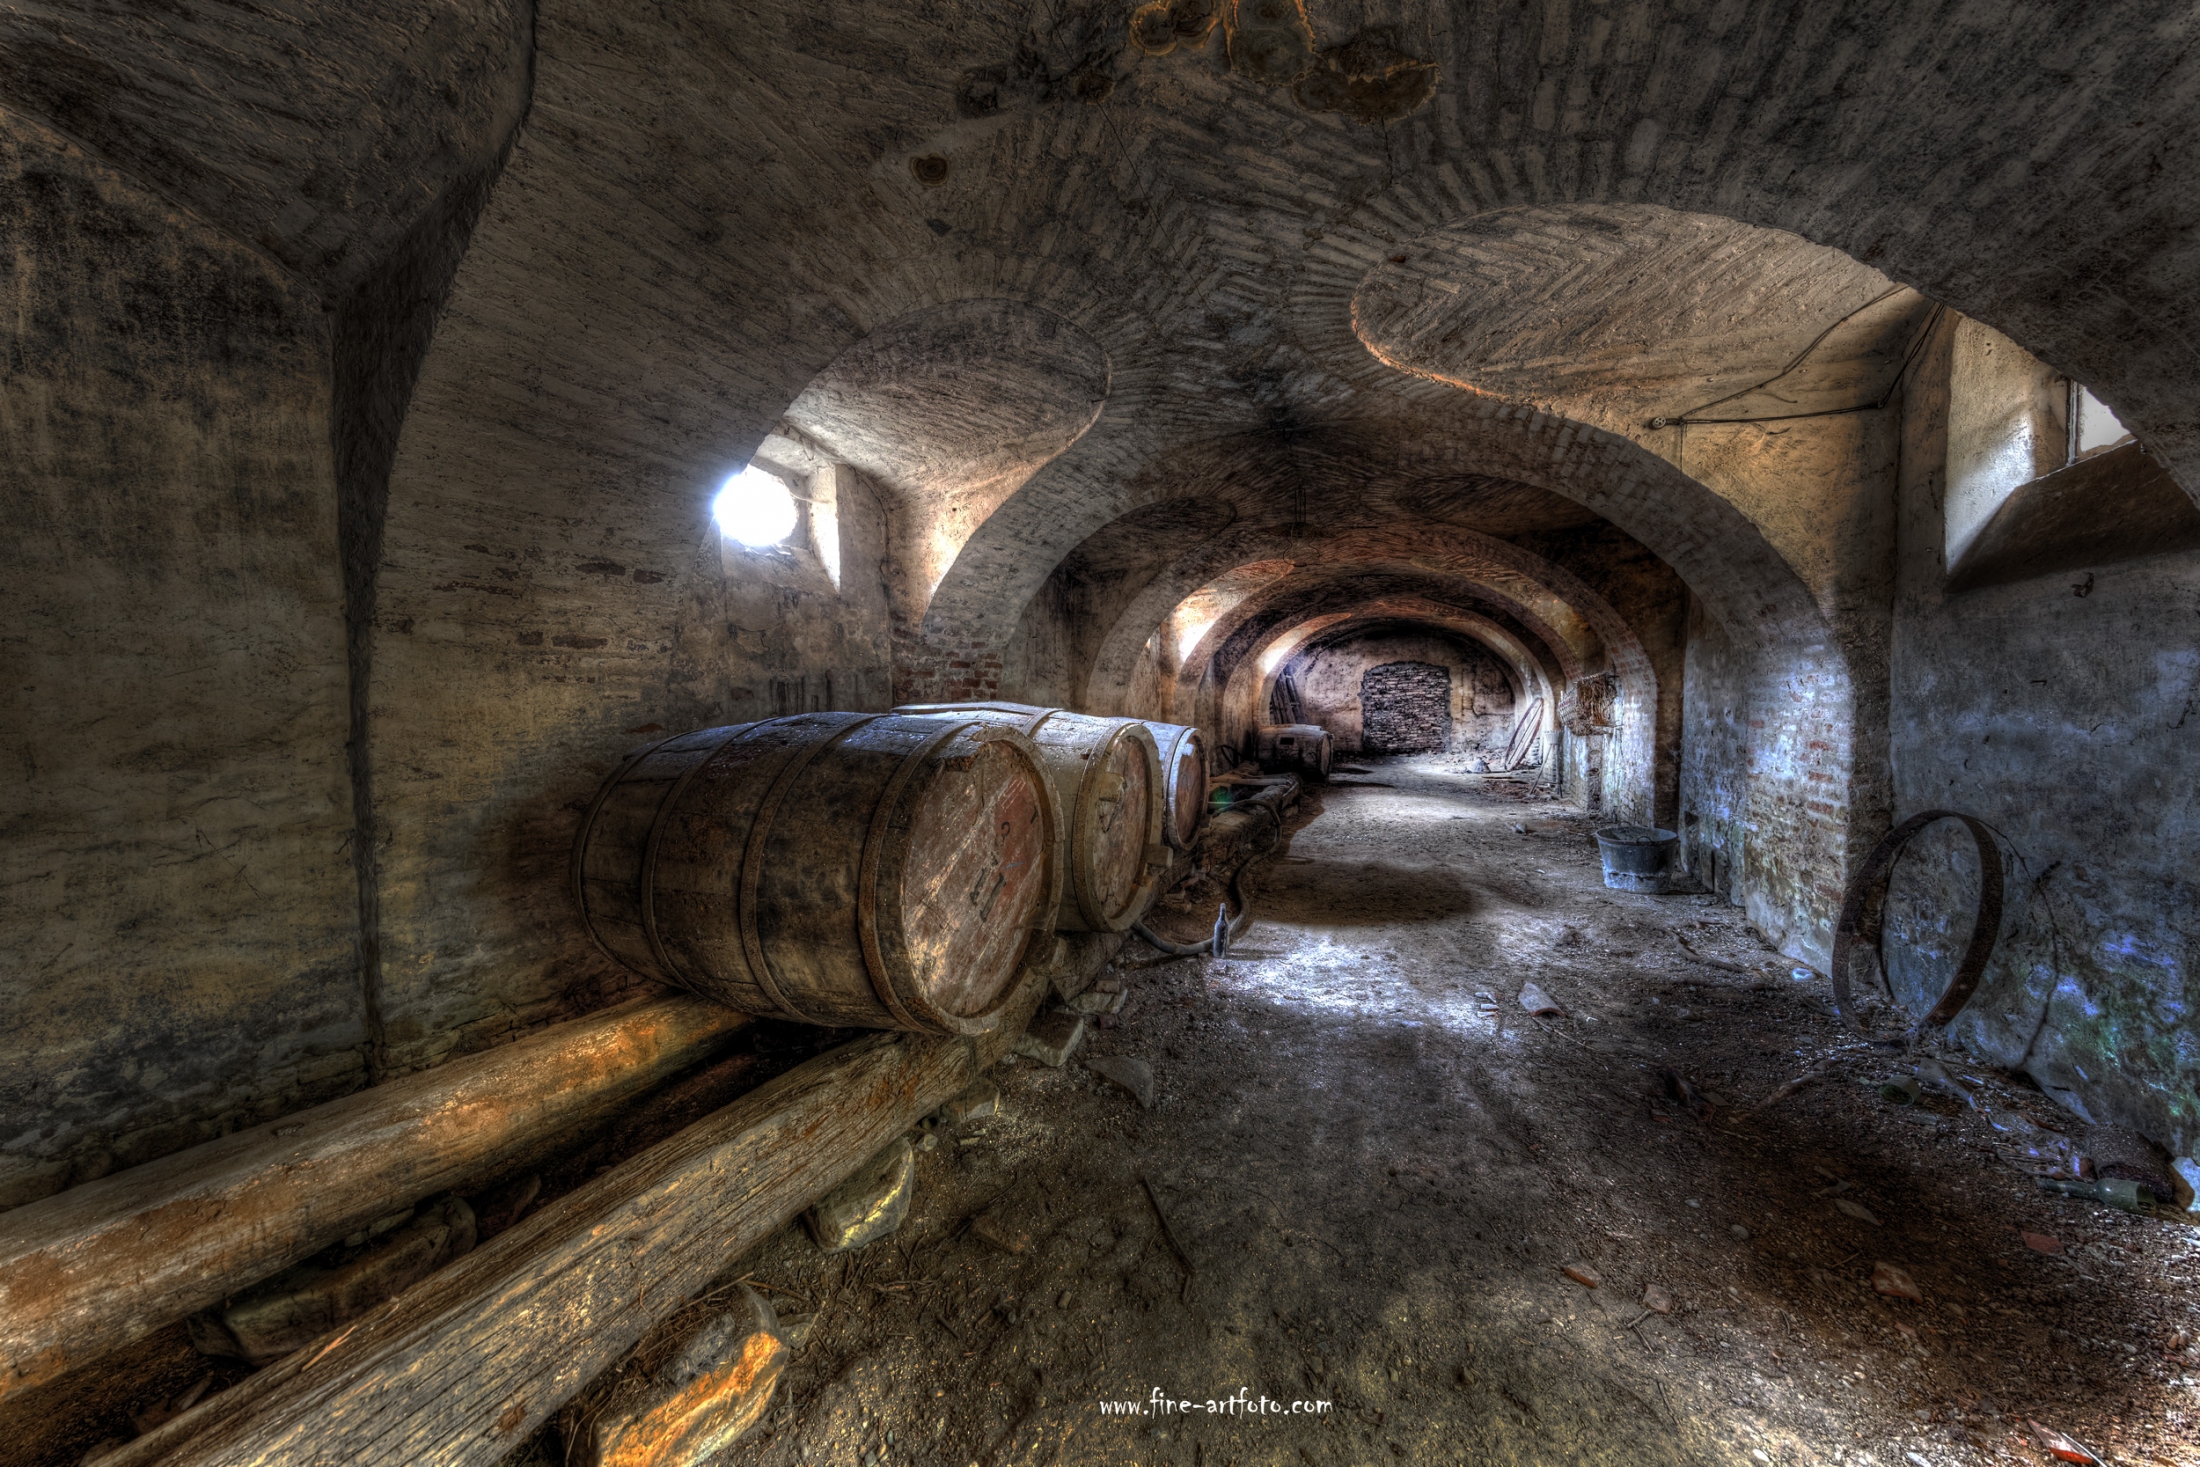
1405,708
953,672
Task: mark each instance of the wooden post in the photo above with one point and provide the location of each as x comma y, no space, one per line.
466,1364
88,1270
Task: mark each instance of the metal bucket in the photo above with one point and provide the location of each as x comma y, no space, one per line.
1637,857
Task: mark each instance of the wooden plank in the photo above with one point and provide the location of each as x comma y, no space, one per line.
88,1270
1516,747
465,1365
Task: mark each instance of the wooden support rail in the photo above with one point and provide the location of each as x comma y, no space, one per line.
463,1366
90,1269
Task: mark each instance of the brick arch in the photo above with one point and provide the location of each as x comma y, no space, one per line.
1114,670
1221,700
1640,778
1537,676
1222,291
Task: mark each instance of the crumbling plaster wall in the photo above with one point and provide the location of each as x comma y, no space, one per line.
1822,492
1715,775
2008,425
2062,711
179,913
1646,593
1329,678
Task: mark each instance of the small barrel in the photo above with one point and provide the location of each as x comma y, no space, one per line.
1292,748
1184,779
1637,857
1108,782
831,868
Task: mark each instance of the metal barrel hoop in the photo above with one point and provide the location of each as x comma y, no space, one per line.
874,956
588,831
665,806
1863,914
752,851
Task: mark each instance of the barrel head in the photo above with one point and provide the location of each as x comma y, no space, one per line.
975,876
1120,828
1187,791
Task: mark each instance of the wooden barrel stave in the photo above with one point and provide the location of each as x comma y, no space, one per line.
810,867
959,869
1107,778
1183,752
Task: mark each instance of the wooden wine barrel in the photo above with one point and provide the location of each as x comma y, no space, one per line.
1107,781
831,868
1293,748
1184,780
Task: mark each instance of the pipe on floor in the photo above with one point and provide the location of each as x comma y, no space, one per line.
1281,790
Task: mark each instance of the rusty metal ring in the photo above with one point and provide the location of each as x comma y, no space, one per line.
1863,911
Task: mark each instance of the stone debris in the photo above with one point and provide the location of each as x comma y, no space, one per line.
1656,1300
300,1304
1933,1073
975,1104
1536,1001
997,1234
2042,1242
795,1329
1582,1274
1133,1075
1896,1283
1856,1210
869,1205
1052,1038
709,1394
1094,1001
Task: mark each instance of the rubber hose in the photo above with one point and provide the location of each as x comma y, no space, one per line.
1244,918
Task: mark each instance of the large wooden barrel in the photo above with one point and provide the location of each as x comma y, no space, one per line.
1184,781
1108,783
831,868
1293,748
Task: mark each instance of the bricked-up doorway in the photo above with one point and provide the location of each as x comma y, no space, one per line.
1405,708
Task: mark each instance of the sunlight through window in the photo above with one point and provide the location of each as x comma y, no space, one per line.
755,507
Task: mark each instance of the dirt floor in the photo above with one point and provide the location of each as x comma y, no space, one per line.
1378,1168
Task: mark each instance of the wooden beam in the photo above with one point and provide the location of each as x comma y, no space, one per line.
88,1270
462,1367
